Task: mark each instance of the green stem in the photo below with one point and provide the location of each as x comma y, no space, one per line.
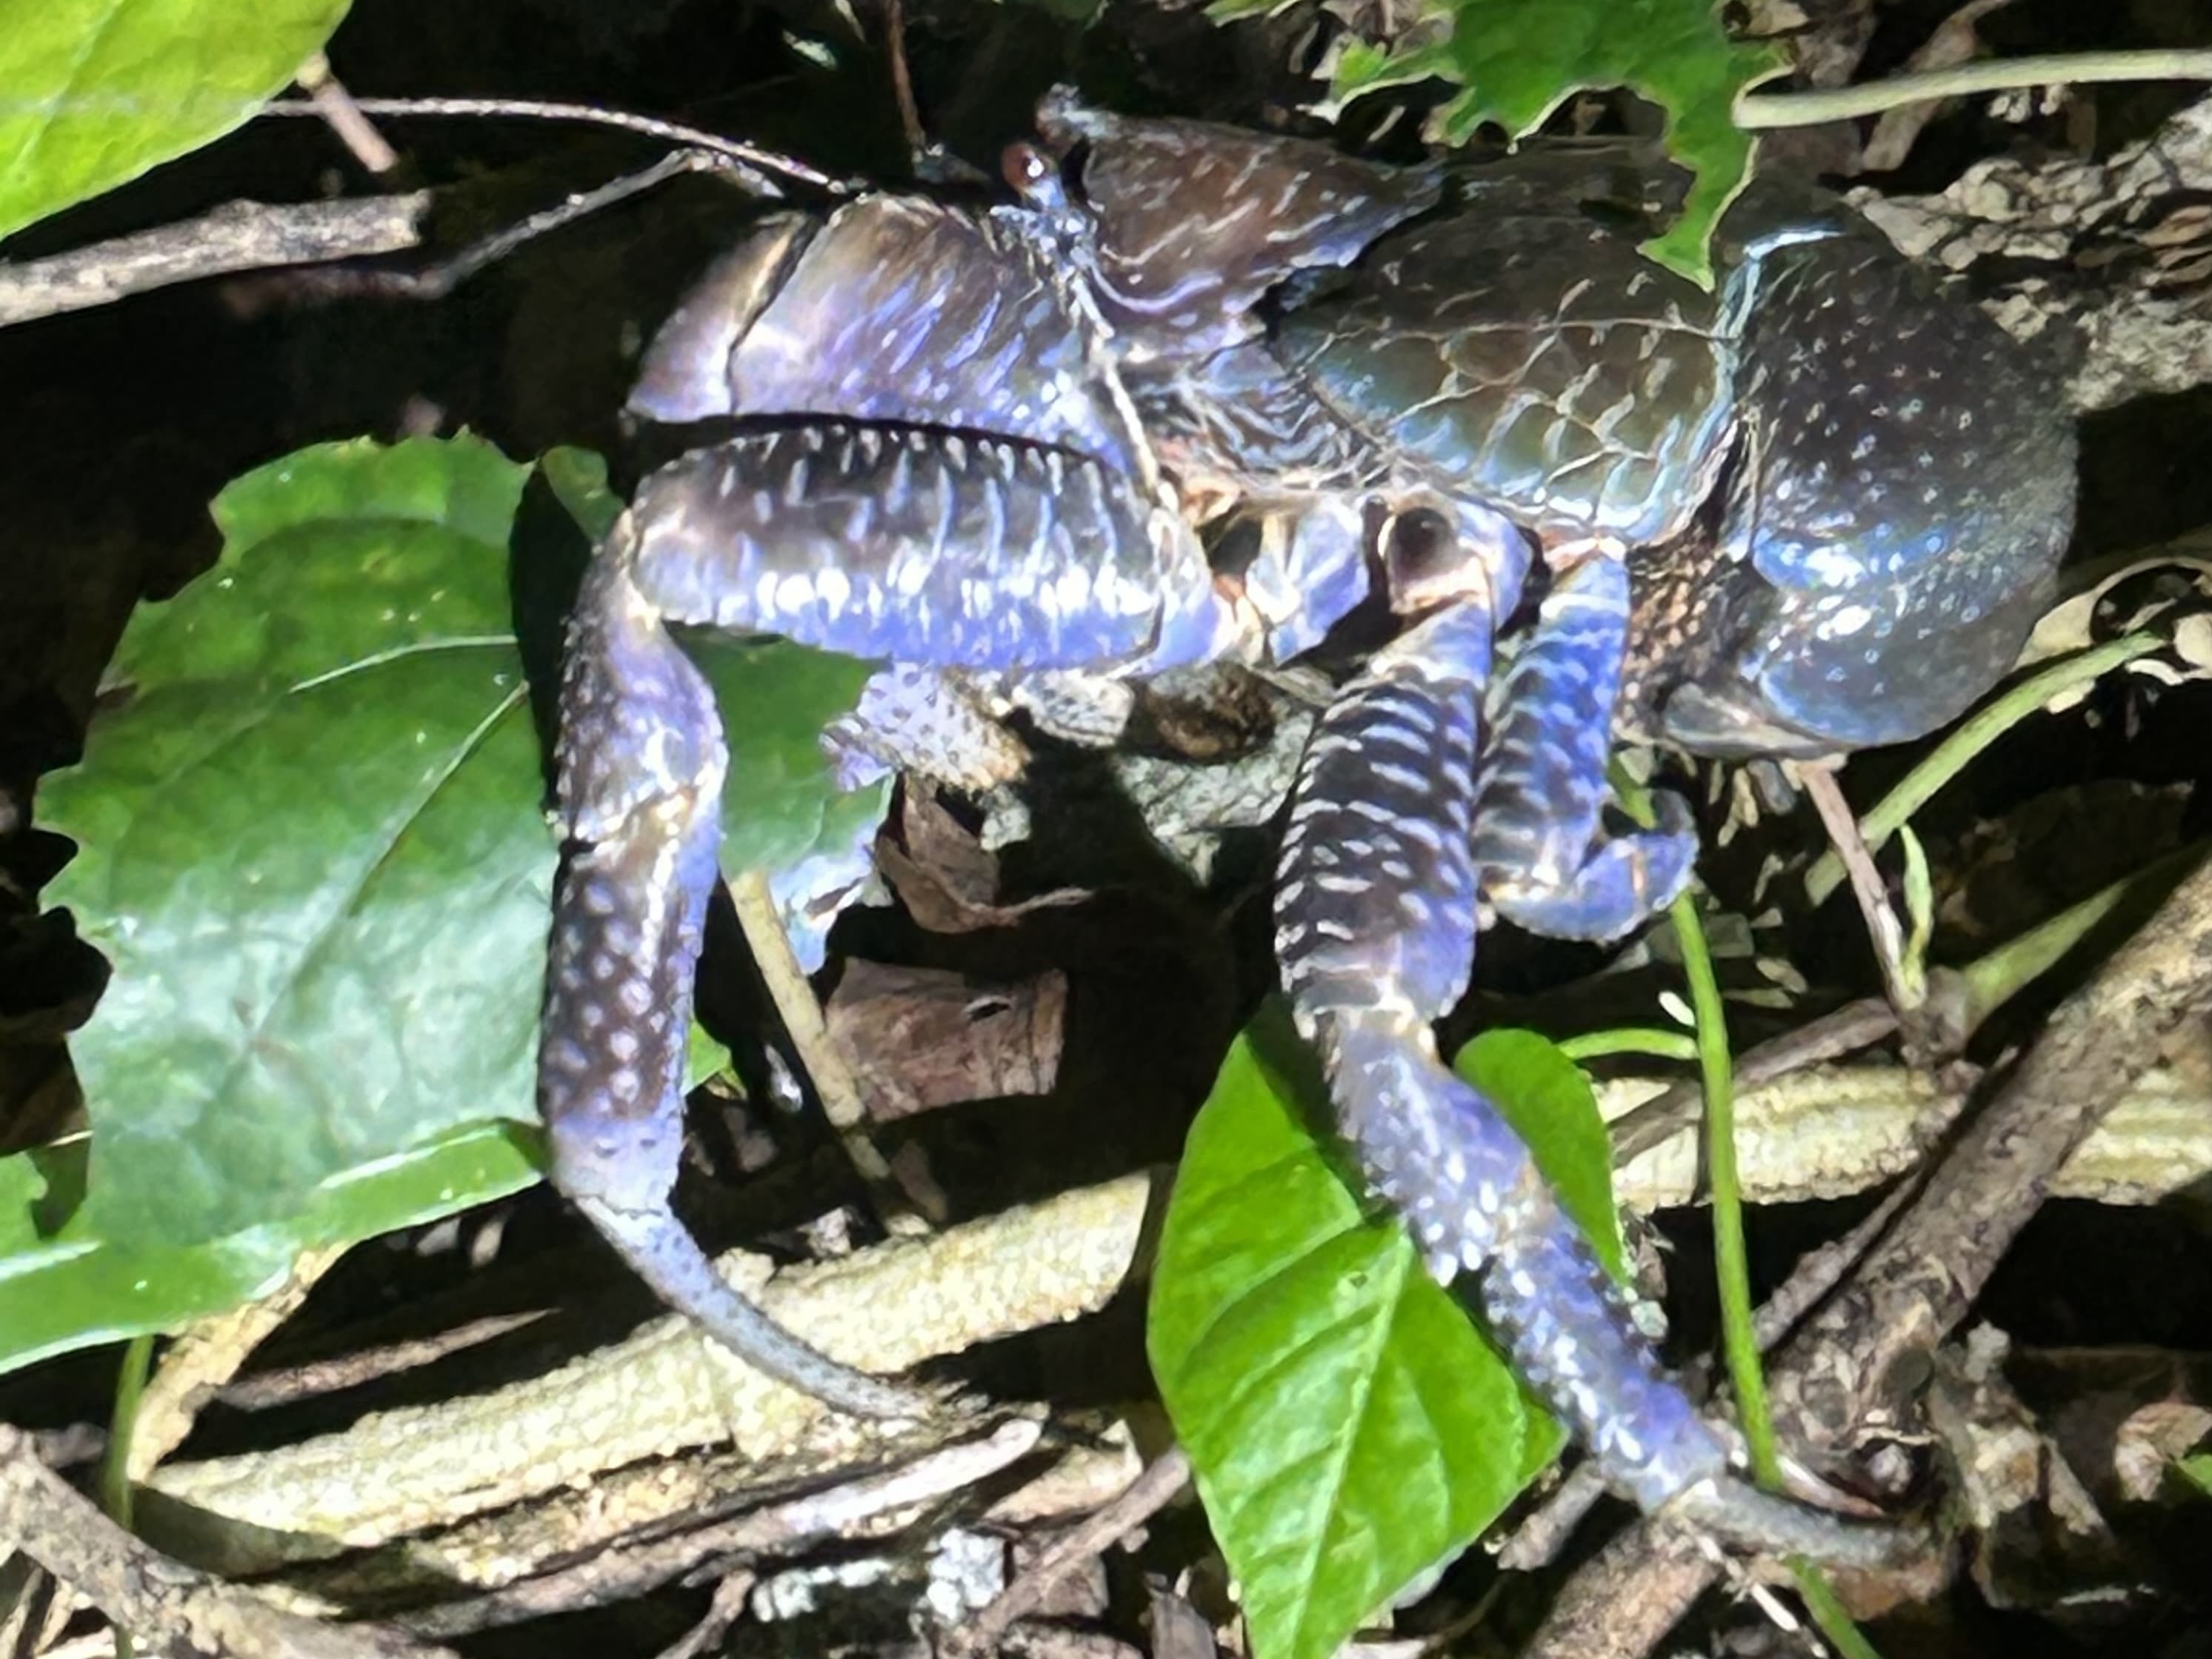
122,1422
1630,1040
1949,757
1738,1339
1757,110
115,1489
1829,1612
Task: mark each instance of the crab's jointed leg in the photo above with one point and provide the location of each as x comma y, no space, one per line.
1376,903
989,553
1544,862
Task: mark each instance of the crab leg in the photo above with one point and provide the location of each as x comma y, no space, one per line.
1375,902
909,543
1544,862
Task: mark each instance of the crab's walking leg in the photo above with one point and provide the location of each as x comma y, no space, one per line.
901,543
1544,862
1376,906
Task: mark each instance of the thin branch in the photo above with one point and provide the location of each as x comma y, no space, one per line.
237,236
354,128
1759,111
1146,1495
1884,931
751,157
797,1006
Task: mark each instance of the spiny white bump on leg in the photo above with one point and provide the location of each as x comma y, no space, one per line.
603,967
623,1044
635,997
624,1084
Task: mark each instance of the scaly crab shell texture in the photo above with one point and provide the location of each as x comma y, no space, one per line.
1813,510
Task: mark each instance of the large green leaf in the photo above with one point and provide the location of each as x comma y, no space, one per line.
94,92
1348,1426
311,846
1516,61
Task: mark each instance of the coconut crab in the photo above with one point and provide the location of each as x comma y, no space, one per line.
980,445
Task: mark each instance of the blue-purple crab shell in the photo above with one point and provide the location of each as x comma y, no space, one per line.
1813,510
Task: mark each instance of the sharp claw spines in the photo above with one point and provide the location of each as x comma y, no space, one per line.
922,545
669,1260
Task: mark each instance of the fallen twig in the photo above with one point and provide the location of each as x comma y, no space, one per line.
151,1596
237,236
885,1310
1146,1495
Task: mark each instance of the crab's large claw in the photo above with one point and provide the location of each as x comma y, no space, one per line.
984,502
1900,502
1374,906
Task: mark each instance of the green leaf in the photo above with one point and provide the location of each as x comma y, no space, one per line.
311,846
1516,61
67,1287
98,91
1347,1425
312,843
2197,1469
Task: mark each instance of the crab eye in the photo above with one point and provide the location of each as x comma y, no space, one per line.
1422,560
1026,168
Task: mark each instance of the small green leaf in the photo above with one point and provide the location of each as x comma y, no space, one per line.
98,91
1347,1425
2197,1469
67,1288
1516,61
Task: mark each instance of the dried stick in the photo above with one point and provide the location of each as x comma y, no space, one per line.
237,236
800,1011
885,1309
151,1596
841,1511
1145,1497
354,129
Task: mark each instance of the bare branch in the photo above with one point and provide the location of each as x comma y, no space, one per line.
153,1598
1758,110
237,236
